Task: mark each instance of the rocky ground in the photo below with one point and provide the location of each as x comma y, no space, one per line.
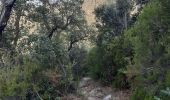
91,90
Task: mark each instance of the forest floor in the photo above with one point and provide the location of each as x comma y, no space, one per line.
91,90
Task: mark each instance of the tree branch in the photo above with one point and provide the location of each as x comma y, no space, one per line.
75,41
56,27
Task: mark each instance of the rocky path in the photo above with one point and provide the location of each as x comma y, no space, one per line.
89,89
92,90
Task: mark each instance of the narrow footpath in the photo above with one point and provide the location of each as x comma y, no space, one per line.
89,89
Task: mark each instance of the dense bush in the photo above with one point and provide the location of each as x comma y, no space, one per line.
77,56
104,63
164,94
141,94
46,66
167,78
16,80
28,77
107,61
29,81
149,36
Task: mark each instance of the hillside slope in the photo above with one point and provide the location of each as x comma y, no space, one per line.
89,6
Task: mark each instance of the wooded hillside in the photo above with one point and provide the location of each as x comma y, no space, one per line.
85,50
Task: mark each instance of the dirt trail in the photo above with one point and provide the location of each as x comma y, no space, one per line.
89,89
92,90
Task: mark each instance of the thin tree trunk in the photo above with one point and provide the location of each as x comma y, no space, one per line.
17,27
125,21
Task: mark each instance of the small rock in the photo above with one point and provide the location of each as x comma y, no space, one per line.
93,98
108,97
96,92
84,82
86,79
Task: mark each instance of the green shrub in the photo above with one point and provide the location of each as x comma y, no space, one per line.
141,94
167,79
16,80
163,95
101,65
120,81
105,61
94,63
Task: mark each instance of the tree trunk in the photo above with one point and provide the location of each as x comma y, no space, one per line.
5,15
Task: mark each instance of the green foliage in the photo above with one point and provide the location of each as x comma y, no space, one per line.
149,37
30,78
15,80
141,94
105,61
145,47
163,95
167,79
44,49
94,63
78,56
49,53
112,19
120,81
109,56
49,90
